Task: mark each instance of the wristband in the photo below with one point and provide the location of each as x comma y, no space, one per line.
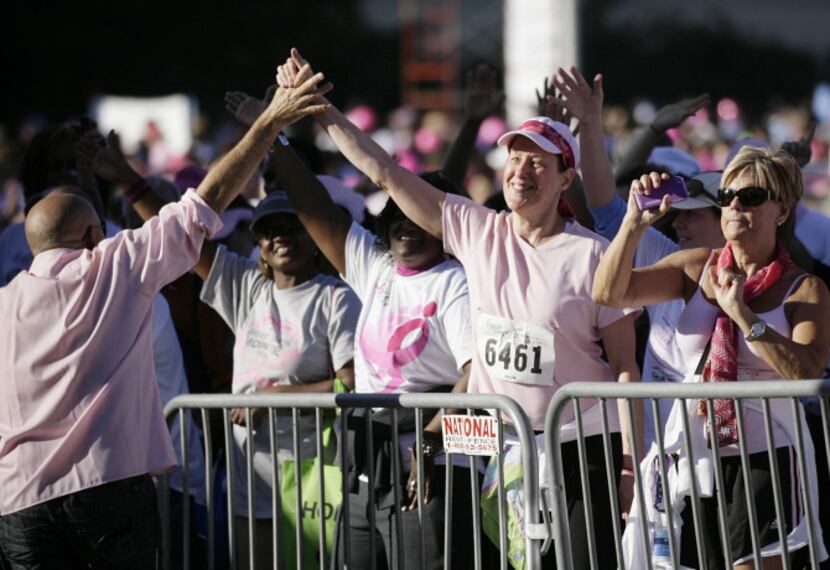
429,448
281,140
627,471
135,192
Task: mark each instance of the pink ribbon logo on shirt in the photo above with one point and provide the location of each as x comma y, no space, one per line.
270,348
389,361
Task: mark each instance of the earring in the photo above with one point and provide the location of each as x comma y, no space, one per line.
781,222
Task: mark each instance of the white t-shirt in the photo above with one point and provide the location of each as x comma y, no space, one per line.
413,333
283,336
172,382
663,360
414,330
297,335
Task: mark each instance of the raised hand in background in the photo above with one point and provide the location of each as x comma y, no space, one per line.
546,106
482,97
801,150
672,115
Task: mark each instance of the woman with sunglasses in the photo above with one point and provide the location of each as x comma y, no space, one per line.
750,314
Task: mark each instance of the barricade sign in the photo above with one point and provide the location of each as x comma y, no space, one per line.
471,435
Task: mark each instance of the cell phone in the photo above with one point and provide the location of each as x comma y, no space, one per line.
674,187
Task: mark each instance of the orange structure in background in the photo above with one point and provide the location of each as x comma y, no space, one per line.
430,53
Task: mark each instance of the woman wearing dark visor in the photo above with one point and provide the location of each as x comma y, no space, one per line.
750,314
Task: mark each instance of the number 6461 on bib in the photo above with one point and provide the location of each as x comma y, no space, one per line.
515,351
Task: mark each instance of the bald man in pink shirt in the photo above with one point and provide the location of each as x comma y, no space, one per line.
81,423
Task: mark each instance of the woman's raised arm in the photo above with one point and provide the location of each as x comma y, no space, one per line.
420,201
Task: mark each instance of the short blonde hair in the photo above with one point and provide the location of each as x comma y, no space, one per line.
777,172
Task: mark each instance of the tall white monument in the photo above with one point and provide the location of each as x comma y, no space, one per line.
539,37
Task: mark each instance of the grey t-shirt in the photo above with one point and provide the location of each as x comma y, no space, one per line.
296,335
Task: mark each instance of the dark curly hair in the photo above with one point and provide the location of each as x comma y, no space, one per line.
391,211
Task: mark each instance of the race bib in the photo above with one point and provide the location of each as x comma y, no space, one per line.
515,351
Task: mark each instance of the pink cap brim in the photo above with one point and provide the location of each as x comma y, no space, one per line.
507,138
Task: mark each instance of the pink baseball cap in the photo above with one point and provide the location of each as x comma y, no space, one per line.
549,135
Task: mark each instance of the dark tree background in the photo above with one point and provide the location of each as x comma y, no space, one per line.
57,55
667,60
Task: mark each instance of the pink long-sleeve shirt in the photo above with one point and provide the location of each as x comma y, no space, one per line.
79,404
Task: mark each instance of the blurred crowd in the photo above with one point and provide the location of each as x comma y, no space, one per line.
283,242
419,139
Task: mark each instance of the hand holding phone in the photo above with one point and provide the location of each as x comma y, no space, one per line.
674,187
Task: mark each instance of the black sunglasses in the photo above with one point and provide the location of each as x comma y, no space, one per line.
748,197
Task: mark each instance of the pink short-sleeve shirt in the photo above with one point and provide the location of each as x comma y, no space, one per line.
535,326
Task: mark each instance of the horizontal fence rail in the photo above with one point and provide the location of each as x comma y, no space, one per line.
570,400
203,405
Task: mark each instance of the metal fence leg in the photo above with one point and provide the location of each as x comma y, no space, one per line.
298,476
209,481
397,554
638,479
249,466
476,498
318,420
370,457
674,548
503,548
586,484
720,489
805,490
344,507
612,488
419,445
276,499
776,487
230,481
748,488
185,490
694,490
448,502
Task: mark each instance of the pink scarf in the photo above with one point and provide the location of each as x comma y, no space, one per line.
722,364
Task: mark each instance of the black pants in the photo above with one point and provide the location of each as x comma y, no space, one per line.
111,526
385,531
737,515
823,479
600,506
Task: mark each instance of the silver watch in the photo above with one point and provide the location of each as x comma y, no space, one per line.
756,331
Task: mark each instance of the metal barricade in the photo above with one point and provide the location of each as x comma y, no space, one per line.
318,404
759,397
